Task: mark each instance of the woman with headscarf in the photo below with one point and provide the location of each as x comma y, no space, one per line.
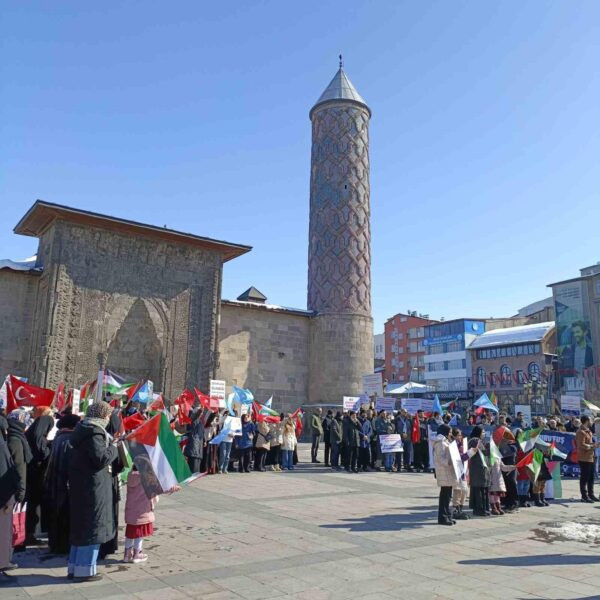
9,486
56,486
18,446
479,473
91,493
37,436
111,546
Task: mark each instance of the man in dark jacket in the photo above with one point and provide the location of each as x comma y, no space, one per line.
336,438
9,486
91,493
326,434
352,431
316,429
404,429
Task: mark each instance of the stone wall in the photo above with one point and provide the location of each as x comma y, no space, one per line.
149,306
341,352
17,302
266,351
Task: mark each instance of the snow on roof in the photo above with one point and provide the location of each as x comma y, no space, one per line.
28,264
512,335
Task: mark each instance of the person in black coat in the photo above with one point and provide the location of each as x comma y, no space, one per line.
91,492
352,431
327,435
3,424
194,448
9,486
37,436
56,486
116,468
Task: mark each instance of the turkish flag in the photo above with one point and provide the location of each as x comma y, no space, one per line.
20,393
158,404
185,399
183,415
59,398
209,402
133,421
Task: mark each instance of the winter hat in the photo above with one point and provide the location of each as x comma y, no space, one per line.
476,432
443,430
99,410
68,421
21,415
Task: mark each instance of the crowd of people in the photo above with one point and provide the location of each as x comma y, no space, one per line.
67,468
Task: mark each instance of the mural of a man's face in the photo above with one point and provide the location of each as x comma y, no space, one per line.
578,333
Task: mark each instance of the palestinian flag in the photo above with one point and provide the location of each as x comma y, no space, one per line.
114,383
87,390
157,456
495,455
494,399
528,438
533,462
264,413
554,469
554,451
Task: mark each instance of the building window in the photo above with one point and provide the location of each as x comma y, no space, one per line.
393,376
481,377
400,336
520,377
401,350
505,375
493,378
534,370
401,364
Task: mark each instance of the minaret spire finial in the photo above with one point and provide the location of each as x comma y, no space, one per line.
341,62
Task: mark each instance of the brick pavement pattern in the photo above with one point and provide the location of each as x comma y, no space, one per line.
314,534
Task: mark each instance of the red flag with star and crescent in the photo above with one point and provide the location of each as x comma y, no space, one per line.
19,393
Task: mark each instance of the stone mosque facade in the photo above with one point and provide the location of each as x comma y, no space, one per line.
146,302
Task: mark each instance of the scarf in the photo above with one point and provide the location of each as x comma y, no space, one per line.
17,429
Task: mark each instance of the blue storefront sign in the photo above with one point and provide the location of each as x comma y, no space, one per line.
443,339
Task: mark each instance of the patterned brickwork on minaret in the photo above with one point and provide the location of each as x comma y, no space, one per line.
339,251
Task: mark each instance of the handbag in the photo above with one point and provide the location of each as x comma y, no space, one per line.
18,523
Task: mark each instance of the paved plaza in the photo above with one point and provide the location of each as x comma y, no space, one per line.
314,534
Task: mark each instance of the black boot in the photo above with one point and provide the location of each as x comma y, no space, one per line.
537,500
543,500
459,515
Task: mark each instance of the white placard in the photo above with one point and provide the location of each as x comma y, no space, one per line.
526,410
387,404
372,384
411,405
351,403
570,405
76,399
392,442
217,390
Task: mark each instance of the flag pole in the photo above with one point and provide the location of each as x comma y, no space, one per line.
100,381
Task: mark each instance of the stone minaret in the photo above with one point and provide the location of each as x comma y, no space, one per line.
339,249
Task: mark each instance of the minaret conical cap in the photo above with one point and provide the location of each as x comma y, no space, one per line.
340,88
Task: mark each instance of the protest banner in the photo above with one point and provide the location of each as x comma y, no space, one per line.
526,410
217,390
372,384
351,403
570,405
387,404
76,399
411,405
427,405
391,442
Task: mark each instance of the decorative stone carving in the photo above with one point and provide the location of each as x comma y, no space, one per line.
339,264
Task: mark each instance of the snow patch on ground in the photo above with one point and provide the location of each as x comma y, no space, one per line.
571,531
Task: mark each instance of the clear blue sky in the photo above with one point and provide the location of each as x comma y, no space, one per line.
485,136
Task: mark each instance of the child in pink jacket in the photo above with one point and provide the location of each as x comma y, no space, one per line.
139,516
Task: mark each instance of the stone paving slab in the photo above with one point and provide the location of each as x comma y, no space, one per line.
317,534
